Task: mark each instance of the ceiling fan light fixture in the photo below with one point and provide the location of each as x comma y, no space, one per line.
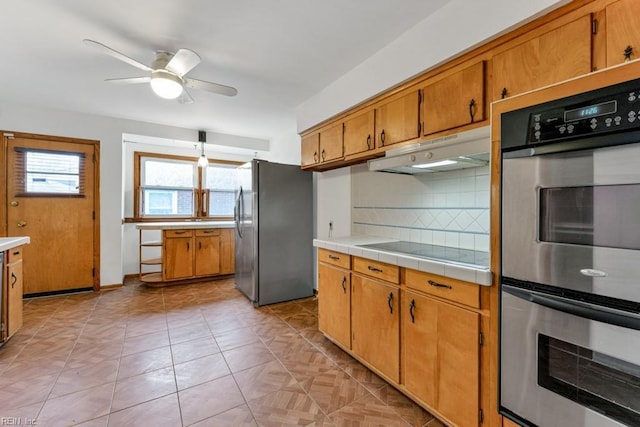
165,84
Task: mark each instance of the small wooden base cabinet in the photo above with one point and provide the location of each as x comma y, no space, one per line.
11,293
185,253
419,331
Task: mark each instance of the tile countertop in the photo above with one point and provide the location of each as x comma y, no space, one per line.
7,243
177,225
350,245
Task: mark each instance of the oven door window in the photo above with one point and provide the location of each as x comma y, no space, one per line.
604,215
599,382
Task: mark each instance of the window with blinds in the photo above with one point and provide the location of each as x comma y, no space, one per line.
49,173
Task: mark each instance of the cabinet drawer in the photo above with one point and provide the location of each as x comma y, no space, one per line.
178,233
335,258
14,254
444,287
208,232
377,269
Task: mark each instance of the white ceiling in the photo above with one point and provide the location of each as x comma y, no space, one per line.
277,53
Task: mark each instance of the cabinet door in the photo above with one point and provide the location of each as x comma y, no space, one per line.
398,120
178,258
207,255
375,324
359,133
455,100
555,56
310,149
334,303
227,251
331,143
458,364
419,346
14,297
623,36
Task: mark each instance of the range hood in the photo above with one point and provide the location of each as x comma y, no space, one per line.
459,151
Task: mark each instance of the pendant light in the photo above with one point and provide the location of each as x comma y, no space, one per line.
203,162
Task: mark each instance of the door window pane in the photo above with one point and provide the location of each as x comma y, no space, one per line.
49,172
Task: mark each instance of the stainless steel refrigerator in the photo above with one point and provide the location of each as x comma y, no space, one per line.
274,232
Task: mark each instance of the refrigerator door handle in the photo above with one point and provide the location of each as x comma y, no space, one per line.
239,212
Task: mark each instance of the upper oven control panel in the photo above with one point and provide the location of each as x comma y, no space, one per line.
605,114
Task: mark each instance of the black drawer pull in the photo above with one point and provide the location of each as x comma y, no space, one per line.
439,285
390,302
14,279
375,269
344,284
333,257
412,311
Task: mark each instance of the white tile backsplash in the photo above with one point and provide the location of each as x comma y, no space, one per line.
445,208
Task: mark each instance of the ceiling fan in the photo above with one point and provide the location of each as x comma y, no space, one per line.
167,73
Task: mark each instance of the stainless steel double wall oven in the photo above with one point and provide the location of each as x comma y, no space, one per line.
570,251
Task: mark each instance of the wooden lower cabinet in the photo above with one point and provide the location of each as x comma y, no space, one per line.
334,308
177,255
14,289
227,251
375,324
207,252
440,363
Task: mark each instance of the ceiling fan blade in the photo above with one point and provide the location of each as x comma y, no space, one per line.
116,54
183,61
185,97
129,80
211,87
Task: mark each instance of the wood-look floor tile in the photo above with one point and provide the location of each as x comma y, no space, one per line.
304,320
247,356
161,412
146,361
209,399
239,416
286,407
367,411
235,338
286,309
220,324
287,344
139,343
96,422
194,349
76,379
200,370
307,364
263,379
272,328
406,408
364,376
142,388
93,352
77,407
334,352
333,389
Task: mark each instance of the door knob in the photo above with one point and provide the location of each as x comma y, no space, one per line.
15,203
22,224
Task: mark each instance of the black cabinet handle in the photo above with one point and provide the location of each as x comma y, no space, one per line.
390,302
412,313
323,154
504,92
188,246
315,156
628,51
374,269
472,104
439,285
369,142
14,279
344,284
199,245
333,257
382,137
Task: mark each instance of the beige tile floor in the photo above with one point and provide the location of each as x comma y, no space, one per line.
190,355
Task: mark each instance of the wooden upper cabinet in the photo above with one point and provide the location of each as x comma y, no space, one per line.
454,101
331,143
398,120
623,36
359,133
552,57
310,149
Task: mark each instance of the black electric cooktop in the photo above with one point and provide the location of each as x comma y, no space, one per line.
434,252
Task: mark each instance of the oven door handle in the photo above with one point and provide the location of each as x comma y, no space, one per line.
578,308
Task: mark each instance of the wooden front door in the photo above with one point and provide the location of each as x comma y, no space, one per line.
51,197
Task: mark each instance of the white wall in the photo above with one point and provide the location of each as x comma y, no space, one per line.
118,242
